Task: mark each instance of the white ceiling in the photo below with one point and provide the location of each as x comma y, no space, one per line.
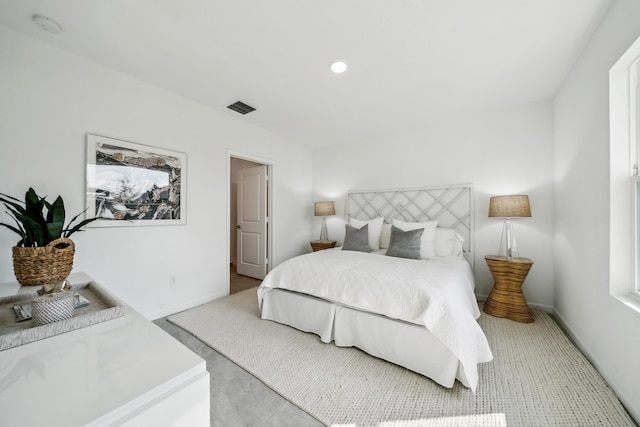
408,60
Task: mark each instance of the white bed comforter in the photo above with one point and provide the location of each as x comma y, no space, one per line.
437,294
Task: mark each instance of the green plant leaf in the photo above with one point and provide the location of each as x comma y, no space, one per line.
54,231
19,226
29,231
55,210
15,212
19,229
16,216
68,232
38,221
36,236
2,195
35,205
7,200
55,219
77,216
32,201
14,229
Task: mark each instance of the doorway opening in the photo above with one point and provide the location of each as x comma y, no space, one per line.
249,221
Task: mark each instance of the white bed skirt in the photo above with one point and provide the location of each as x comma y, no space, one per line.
405,344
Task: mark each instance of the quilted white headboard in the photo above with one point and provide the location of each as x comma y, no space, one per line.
451,205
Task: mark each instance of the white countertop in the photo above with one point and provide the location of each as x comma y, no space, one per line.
91,376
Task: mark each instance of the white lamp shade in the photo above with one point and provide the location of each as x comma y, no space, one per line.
324,209
509,206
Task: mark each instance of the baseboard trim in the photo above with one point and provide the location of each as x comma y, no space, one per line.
168,311
546,308
635,413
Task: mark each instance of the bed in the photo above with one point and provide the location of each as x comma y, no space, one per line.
400,288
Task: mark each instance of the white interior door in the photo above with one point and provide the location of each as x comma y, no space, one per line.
252,222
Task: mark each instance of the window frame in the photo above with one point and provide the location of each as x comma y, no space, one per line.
635,189
624,203
634,157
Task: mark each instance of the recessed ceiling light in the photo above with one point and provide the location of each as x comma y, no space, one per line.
338,67
47,24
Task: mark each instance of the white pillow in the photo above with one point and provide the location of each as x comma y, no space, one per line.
448,242
385,237
375,230
428,236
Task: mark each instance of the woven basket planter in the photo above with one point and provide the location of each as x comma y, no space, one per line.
46,264
51,308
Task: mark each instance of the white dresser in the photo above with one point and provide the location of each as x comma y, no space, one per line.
125,371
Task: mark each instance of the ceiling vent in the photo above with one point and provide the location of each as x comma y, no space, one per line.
241,107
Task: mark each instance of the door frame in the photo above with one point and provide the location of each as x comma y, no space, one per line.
269,164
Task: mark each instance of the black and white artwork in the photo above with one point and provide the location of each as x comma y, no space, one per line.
132,184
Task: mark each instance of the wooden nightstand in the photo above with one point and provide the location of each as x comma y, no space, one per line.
506,298
318,245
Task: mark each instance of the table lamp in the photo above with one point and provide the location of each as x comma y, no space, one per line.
323,209
508,207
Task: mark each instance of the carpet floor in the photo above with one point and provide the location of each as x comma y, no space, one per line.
537,378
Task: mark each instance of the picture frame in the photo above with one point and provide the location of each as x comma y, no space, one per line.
130,184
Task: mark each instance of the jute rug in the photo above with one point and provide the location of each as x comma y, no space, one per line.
537,378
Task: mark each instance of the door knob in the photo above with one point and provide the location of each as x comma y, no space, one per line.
237,226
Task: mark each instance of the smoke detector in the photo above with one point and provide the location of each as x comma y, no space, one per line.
47,24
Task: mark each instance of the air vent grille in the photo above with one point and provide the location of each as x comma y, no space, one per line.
241,107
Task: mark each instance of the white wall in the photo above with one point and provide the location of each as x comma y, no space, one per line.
51,99
606,330
502,152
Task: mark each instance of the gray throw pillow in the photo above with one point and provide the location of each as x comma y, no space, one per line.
405,244
356,239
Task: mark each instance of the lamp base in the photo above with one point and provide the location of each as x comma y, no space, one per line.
324,235
508,246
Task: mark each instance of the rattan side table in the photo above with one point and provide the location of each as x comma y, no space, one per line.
506,298
318,245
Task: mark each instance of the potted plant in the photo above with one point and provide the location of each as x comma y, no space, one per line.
44,253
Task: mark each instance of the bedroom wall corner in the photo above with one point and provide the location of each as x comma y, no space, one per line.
600,324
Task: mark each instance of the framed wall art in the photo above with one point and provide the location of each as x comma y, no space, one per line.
131,184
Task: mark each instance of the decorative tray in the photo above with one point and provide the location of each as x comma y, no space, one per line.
102,307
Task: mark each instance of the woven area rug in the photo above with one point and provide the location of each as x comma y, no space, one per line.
537,378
